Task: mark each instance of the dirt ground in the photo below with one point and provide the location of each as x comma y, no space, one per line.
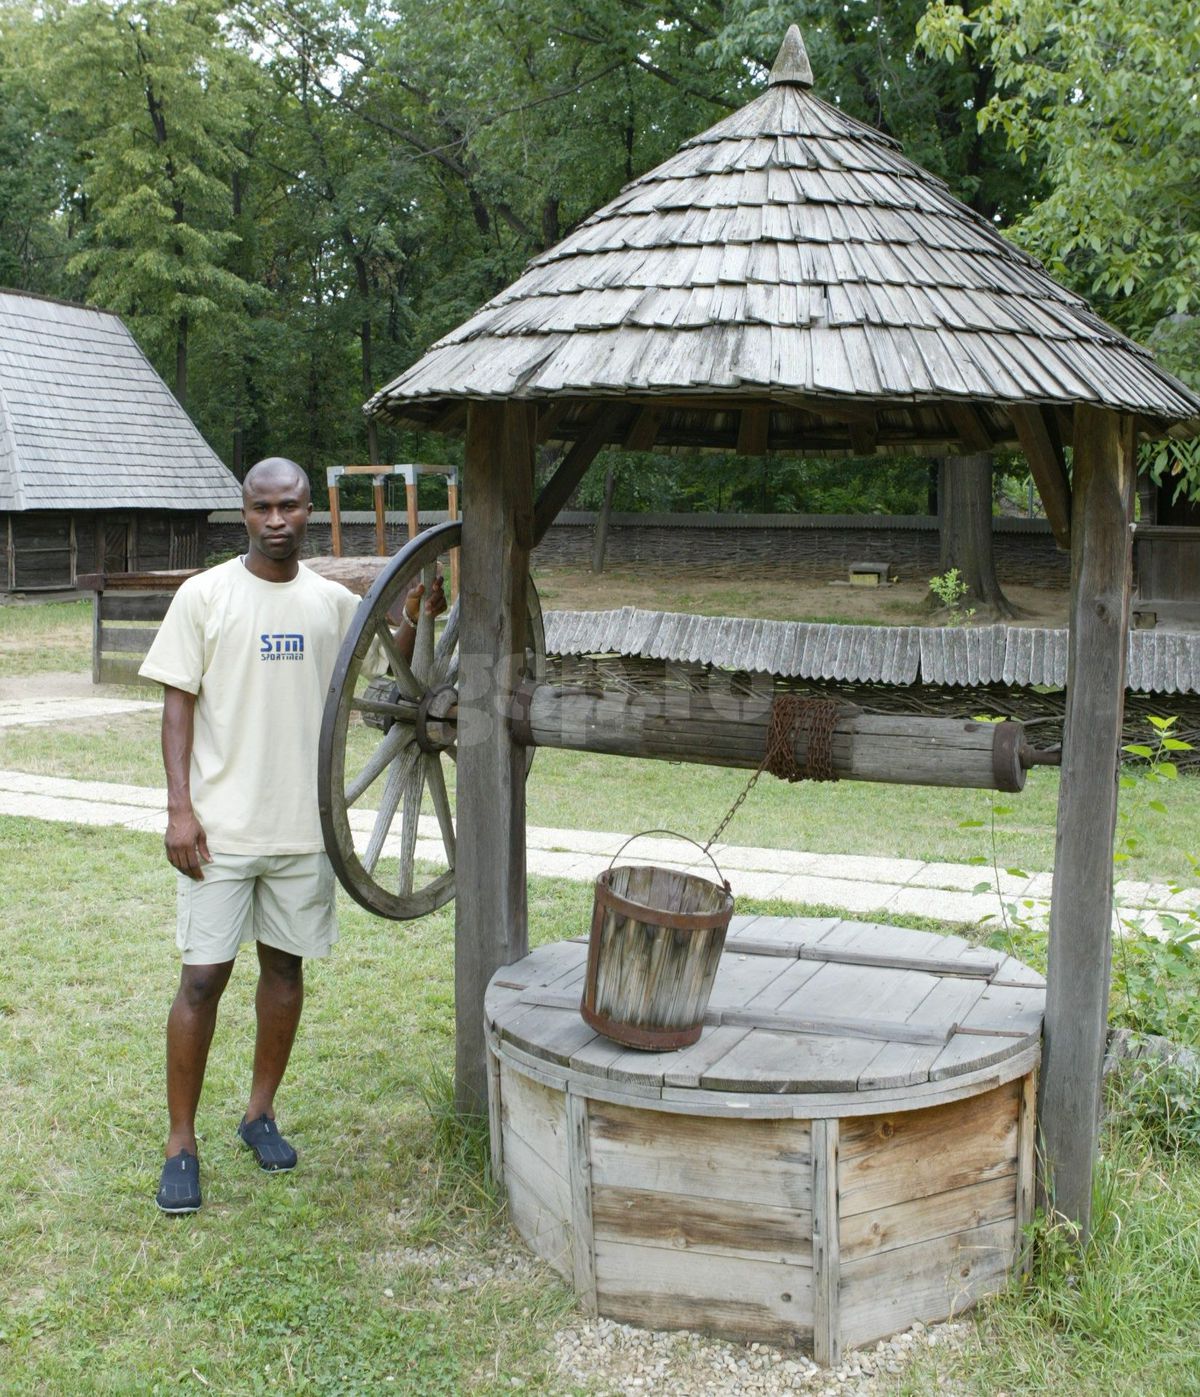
773,595
17,688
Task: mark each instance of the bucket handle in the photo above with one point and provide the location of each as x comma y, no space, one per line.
674,835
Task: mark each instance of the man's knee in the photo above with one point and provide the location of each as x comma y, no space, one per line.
201,986
282,967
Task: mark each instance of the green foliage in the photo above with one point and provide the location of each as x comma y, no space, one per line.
1156,981
1102,94
951,591
1162,1099
152,97
714,482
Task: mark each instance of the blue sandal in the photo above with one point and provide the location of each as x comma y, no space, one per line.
272,1151
179,1187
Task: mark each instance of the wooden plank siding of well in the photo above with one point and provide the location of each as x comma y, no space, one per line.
695,1229
928,1204
533,1121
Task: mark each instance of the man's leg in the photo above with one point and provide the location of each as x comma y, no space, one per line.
277,1004
190,1027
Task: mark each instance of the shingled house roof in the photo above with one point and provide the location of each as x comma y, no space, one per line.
86,422
793,256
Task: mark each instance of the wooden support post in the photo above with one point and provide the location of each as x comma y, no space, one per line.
410,496
335,517
754,429
608,425
579,1182
496,1119
1026,1172
97,603
490,911
452,511
1081,899
1037,431
381,547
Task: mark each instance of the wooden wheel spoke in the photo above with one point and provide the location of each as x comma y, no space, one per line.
400,667
393,789
441,804
377,762
414,789
403,710
445,652
423,647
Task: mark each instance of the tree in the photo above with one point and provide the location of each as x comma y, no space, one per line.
36,218
152,97
1102,95
965,535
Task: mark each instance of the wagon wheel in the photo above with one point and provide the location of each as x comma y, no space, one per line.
408,716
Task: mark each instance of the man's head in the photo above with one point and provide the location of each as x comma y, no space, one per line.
275,506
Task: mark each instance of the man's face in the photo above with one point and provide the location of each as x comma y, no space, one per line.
276,509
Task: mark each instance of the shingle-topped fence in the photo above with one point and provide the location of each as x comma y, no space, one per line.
1009,671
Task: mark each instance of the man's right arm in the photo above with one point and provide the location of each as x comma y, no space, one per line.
187,845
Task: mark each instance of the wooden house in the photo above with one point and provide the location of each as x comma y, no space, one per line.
101,470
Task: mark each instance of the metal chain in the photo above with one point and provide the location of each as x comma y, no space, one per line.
735,807
788,713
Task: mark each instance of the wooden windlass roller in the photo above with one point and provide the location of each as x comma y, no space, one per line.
723,731
415,710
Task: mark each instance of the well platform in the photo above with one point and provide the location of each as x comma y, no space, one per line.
847,1149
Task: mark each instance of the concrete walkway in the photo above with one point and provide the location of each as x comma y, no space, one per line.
22,713
874,888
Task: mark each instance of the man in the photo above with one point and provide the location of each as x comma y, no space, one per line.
245,655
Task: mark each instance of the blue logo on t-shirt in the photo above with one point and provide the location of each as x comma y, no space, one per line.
281,646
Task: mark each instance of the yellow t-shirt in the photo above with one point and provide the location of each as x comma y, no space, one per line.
259,657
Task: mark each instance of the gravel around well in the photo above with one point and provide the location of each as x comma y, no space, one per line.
602,1358
615,1360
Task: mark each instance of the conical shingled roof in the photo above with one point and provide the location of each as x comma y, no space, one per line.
792,256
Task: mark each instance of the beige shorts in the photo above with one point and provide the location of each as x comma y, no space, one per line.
283,900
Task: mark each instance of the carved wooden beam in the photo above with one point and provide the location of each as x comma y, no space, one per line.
754,426
864,436
1037,431
969,424
643,432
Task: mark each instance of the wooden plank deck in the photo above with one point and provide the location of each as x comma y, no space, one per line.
800,1006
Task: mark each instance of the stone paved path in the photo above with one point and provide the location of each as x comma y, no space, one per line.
863,886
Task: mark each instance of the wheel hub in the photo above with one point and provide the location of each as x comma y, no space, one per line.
437,719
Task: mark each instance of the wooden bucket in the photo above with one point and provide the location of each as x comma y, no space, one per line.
655,944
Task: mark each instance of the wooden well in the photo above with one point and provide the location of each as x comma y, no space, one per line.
848,1148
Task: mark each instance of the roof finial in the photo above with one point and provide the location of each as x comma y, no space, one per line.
792,64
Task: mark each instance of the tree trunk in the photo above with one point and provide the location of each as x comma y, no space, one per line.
368,371
181,360
600,540
965,535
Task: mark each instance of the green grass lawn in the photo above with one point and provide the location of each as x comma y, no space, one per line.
44,637
384,1263
329,1280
